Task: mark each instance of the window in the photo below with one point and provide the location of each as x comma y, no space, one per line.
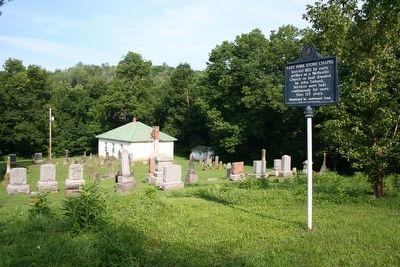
105,149
113,148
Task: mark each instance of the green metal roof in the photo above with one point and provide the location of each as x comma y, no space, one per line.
134,132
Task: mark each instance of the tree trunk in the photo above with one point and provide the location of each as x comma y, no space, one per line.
379,186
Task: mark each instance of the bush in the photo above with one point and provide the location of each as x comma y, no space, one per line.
88,209
392,185
40,205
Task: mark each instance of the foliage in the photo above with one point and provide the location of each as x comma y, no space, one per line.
363,128
88,209
41,205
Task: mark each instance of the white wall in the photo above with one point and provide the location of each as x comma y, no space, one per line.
139,151
167,148
108,145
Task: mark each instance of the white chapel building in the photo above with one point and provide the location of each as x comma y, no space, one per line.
139,139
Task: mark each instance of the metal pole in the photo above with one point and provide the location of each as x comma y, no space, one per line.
309,115
49,134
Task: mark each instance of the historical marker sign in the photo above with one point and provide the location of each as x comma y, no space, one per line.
311,81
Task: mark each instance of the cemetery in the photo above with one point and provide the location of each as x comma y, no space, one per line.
263,212
271,147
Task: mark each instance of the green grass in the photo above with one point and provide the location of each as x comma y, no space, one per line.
253,223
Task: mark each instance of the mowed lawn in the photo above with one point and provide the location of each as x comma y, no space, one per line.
217,222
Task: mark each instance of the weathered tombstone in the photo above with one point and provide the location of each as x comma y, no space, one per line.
216,161
221,165
172,177
277,167
237,172
38,158
305,166
192,177
8,170
257,168
125,181
228,170
294,170
75,181
263,163
323,167
13,160
157,176
286,166
47,180
18,182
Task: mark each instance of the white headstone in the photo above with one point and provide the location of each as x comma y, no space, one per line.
75,172
172,177
277,164
286,166
257,167
8,169
18,181
75,179
47,178
47,173
125,165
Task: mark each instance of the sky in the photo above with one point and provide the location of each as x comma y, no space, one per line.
59,34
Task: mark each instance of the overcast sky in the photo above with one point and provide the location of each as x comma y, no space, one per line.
59,34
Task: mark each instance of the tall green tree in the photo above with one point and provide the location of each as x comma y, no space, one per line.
244,94
364,127
24,94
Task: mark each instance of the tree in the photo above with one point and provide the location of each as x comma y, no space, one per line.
364,126
24,94
244,94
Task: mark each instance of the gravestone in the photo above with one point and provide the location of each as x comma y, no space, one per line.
125,180
277,167
257,168
13,160
6,178
305,166
228,170
8,168
75,181
172,177
18,182
47,180
192,177
161,161
286,166
237,172
216,161
263,163
323,167
38,158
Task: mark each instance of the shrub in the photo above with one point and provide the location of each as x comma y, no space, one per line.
40,205
392,185
88,209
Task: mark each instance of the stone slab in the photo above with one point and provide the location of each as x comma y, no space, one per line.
47,173
18,189
18,176
171,186
172,174
47,186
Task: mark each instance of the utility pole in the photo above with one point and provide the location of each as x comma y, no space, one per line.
50,120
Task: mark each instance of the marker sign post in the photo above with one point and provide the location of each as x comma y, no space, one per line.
311,81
